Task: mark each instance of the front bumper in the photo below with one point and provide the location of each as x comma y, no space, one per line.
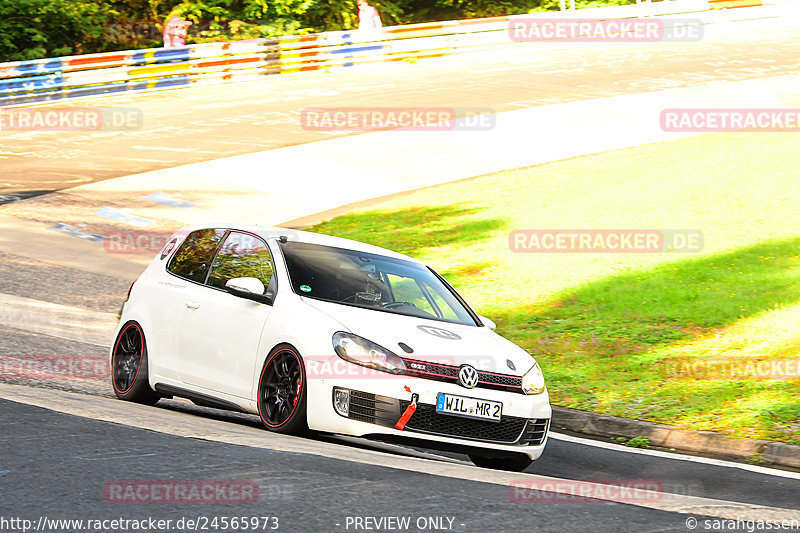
377,404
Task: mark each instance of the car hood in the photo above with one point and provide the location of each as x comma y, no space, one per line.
431,340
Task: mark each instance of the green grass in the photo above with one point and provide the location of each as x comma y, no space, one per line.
620,333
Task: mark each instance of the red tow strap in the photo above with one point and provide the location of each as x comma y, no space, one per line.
408,413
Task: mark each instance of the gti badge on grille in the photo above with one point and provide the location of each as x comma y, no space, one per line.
467,376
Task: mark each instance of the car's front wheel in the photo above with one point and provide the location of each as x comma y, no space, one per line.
129,373
282,391
514,462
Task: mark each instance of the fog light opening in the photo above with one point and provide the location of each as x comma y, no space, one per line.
341,401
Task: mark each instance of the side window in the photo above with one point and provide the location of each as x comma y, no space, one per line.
241,256
195,255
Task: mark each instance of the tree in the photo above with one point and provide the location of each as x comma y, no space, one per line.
31,29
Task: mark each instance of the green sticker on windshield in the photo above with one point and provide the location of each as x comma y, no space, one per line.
305,288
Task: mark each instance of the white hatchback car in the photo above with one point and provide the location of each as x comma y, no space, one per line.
316,332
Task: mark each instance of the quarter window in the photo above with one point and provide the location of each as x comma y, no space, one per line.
407,289
438,300
241,256
194,257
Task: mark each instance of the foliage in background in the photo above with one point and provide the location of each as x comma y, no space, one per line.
31,29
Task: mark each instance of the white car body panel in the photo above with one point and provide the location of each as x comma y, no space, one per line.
218,341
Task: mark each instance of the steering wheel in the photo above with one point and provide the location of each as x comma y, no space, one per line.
366,294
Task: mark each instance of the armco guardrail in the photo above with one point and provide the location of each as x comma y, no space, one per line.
66,77
727,4
43,80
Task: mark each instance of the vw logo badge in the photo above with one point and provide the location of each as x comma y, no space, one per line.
439,332
468,376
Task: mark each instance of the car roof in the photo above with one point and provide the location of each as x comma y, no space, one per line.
294,235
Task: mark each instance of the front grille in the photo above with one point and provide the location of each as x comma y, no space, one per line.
449,374
535,431
362,406
500,379
510,430
423,367
372,408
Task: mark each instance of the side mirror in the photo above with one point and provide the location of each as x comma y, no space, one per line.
249,289
488,323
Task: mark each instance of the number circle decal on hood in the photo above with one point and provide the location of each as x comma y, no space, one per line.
439,332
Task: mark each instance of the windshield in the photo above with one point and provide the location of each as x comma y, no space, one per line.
371,281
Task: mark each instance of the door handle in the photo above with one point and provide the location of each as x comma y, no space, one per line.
192,305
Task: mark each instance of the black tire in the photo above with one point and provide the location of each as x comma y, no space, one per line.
282,392
513,463
129,374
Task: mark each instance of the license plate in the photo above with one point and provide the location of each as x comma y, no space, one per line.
450,404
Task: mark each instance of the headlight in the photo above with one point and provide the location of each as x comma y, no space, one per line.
533,381
360,351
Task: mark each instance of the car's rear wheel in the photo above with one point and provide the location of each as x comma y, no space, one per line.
282,392
514,462
129,374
